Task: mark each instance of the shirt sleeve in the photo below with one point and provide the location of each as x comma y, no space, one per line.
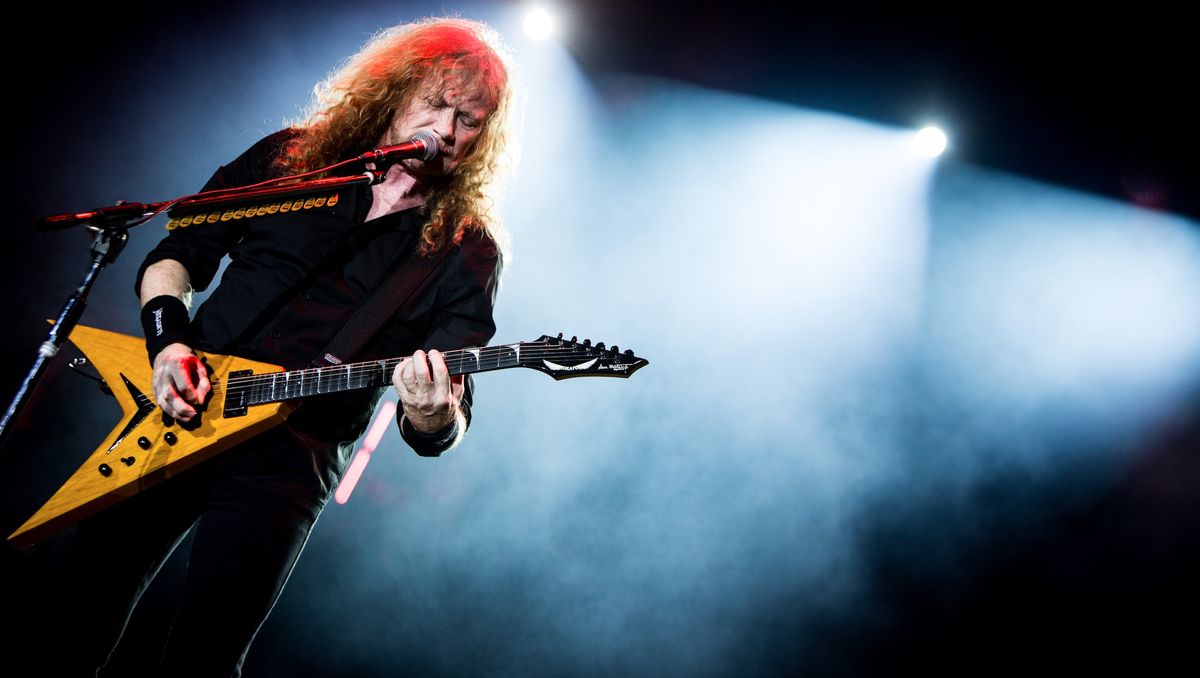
463,320
200,247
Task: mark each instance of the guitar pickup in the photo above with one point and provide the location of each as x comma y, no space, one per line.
236,398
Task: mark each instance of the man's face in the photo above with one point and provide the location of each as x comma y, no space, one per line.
454,112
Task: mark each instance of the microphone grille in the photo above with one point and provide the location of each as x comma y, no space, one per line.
429,140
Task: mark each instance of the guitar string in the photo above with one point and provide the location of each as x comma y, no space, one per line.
453,359
265,384
371,367
268,380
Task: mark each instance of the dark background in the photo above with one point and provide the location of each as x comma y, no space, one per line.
1088,99
1097,100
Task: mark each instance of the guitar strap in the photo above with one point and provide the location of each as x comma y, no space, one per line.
404,282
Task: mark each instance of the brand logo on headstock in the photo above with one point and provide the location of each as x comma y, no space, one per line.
572,368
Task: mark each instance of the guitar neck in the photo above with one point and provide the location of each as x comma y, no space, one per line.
279,386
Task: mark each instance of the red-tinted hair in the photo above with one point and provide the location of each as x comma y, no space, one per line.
353,107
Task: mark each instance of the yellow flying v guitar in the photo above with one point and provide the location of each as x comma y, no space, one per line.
248,398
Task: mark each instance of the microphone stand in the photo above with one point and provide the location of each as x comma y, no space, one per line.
111,228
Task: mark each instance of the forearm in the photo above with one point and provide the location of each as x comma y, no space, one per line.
166,277
179,378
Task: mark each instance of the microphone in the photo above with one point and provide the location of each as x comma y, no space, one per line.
423,145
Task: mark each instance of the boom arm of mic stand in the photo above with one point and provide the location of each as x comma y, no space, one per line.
111,224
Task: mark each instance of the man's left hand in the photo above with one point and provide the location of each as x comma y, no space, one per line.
429,395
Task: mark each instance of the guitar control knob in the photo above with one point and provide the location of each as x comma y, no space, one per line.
144,443
105,470
128,461
170,437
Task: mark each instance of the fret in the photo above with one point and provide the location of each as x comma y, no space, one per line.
468,361
259,394
327,379
486,357
509,356
254,391
501,357
483,359
361,378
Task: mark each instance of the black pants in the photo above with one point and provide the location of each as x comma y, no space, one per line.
252,509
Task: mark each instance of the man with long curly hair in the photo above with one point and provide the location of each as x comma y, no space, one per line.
293,281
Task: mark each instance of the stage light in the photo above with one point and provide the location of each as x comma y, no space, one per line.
931,142
539,23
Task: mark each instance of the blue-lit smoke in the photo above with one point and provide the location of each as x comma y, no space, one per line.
846,344
843,350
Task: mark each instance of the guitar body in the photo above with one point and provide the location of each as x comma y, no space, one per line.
143,449
248,398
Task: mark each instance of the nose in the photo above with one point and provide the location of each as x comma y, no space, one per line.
444,126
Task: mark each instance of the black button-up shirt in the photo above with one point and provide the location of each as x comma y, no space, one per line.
294,279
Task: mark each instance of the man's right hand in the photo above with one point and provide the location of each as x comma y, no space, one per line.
180,381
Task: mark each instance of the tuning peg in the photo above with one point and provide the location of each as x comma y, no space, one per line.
629,354
600,346
615,349
574,339
587,343
560,336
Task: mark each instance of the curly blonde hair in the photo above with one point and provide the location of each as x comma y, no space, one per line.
353,107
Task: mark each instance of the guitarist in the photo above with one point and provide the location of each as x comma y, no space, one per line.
294,280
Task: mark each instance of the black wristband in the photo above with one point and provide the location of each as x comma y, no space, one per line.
165,321
428,444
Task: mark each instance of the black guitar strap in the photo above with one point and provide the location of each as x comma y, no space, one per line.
404,282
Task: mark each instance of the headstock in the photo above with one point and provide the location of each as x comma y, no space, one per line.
568,358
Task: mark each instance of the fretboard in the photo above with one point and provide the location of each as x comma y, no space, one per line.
279,386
